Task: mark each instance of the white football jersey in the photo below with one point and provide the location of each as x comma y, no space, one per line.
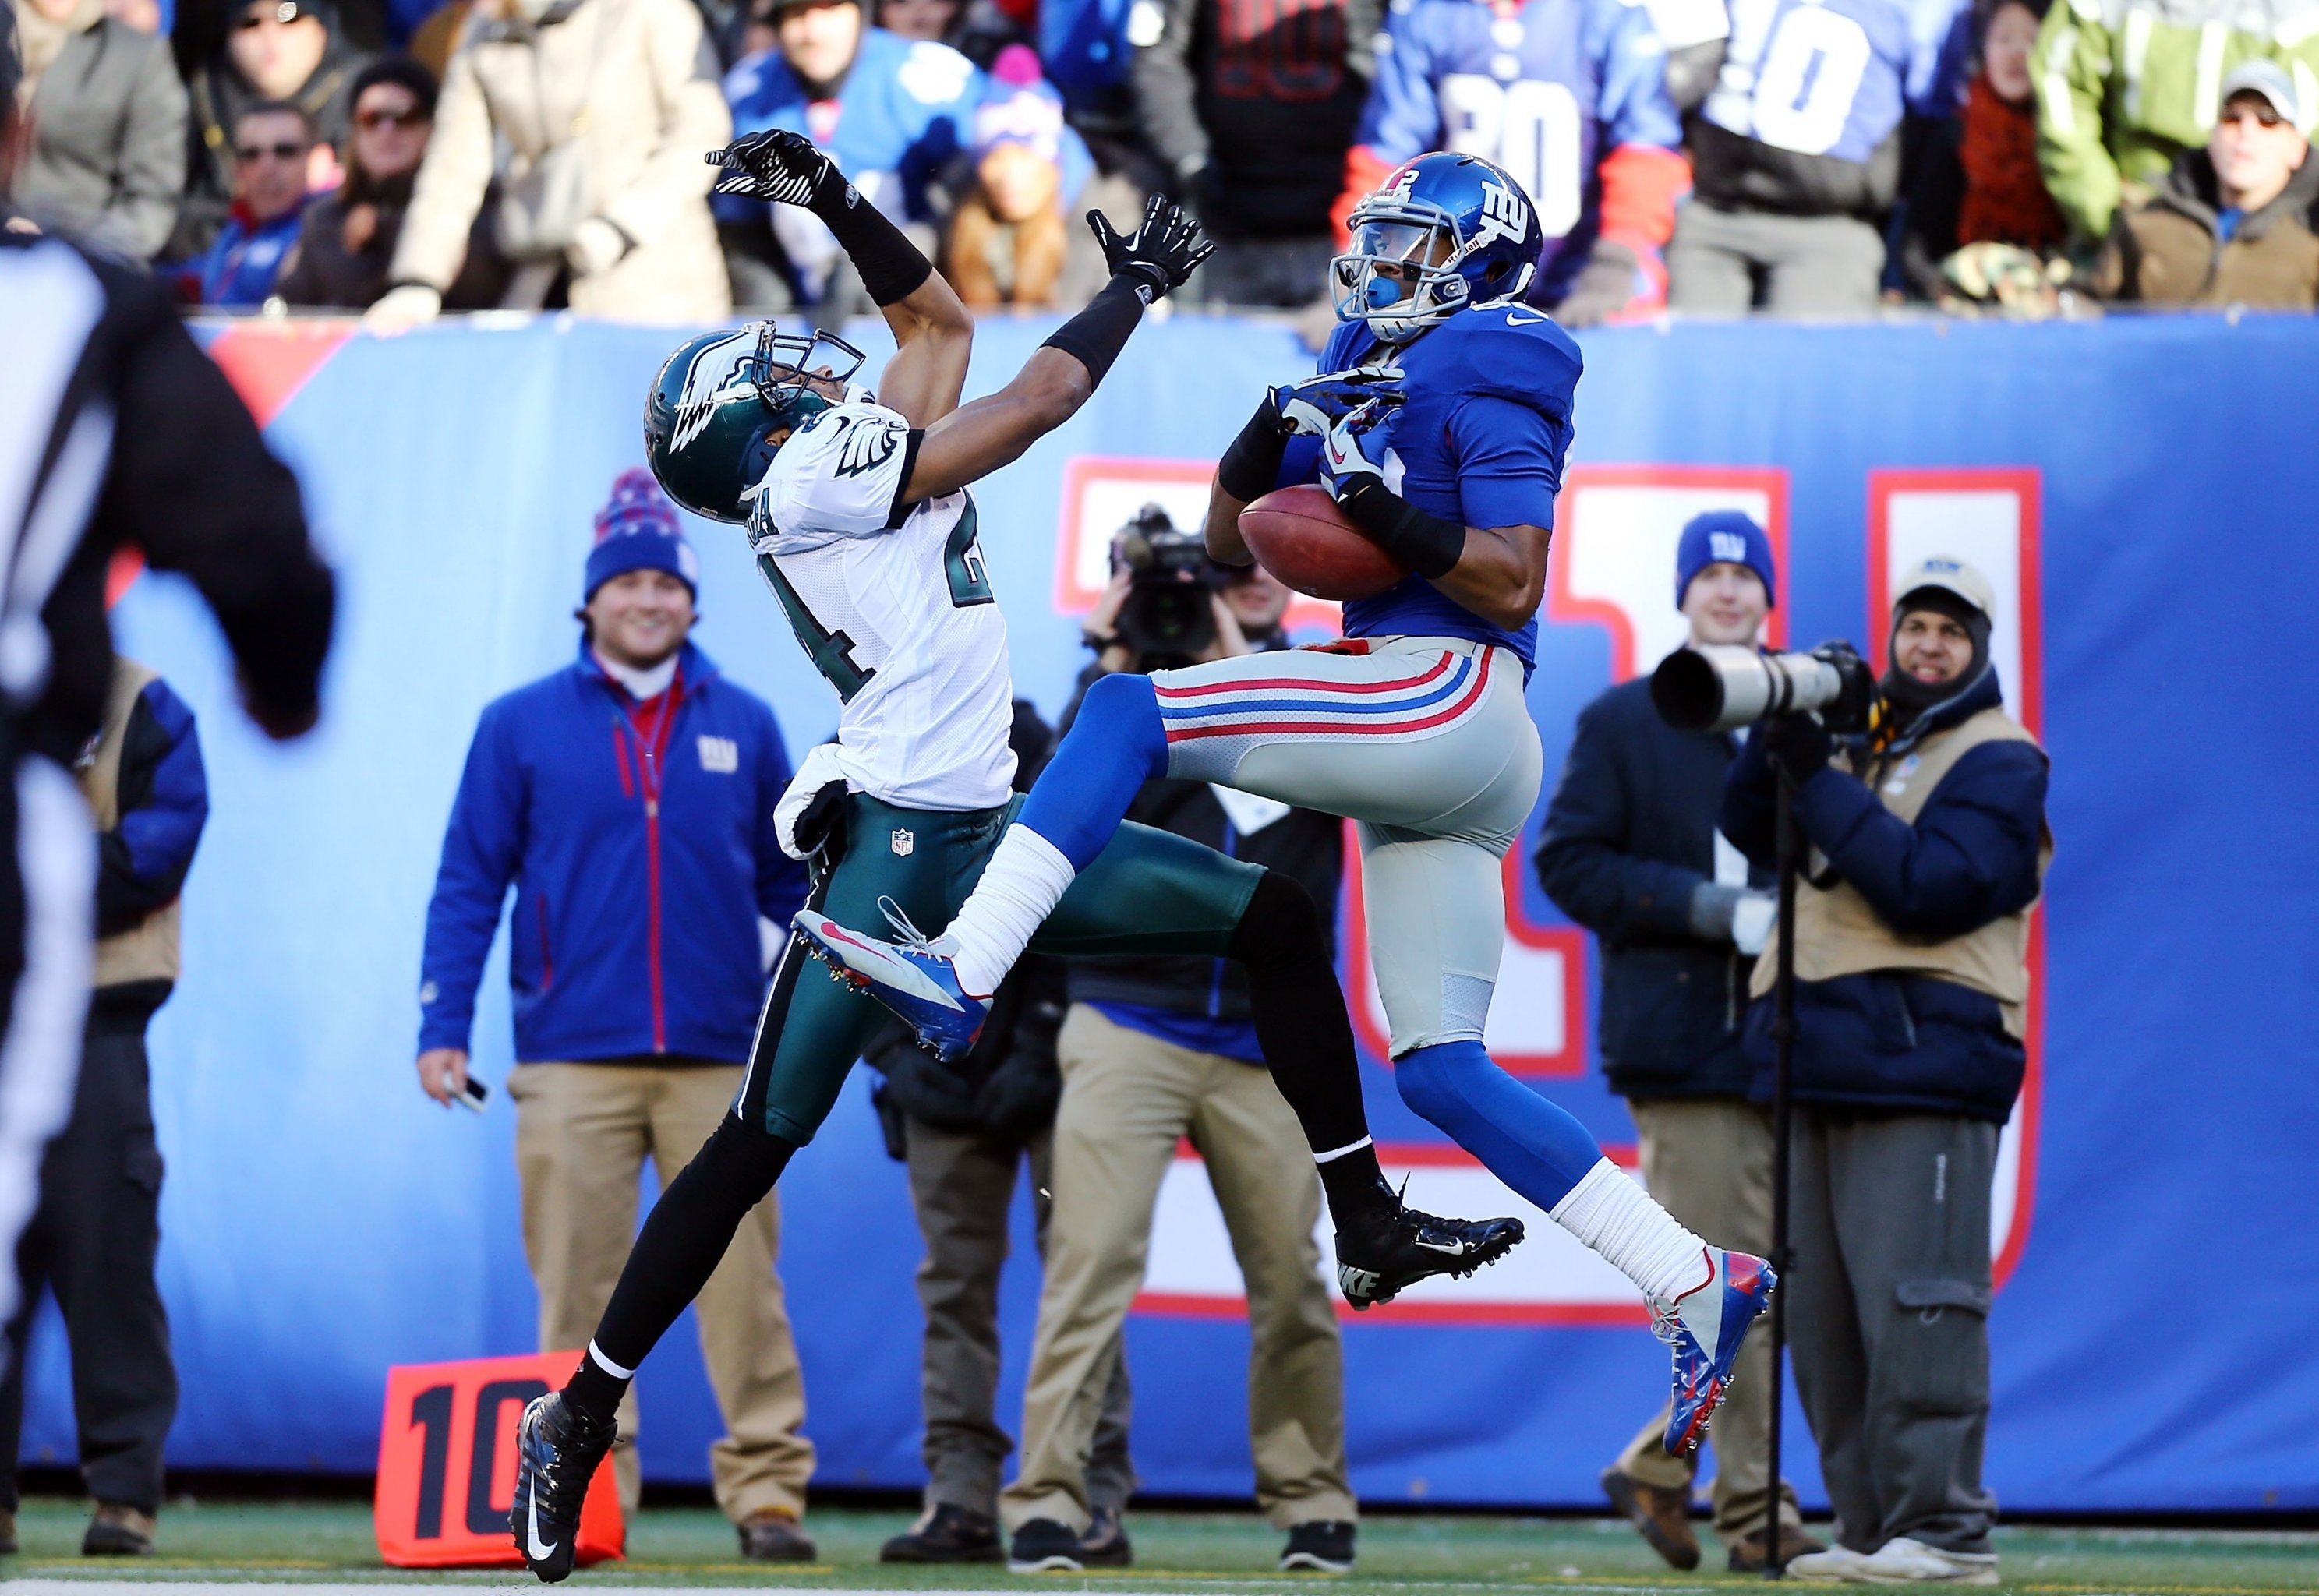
897,612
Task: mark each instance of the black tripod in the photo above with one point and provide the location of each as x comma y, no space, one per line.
1790,844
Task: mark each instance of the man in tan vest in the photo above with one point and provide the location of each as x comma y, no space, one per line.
1927,848
93,1240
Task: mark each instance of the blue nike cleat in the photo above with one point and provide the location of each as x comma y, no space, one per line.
1705,1325
556,1452
915,977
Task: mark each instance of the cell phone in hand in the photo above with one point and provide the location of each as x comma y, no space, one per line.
473,1096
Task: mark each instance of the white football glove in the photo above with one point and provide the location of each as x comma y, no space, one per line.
1346,451
1752,919
1317,403
816,770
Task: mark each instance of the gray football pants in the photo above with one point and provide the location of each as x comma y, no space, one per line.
1428,743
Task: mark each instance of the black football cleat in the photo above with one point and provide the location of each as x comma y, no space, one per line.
556,1452
1385,1249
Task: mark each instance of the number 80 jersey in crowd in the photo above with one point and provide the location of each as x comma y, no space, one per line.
893,604
1546,89
1803,117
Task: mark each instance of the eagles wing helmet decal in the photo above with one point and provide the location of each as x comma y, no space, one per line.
712,379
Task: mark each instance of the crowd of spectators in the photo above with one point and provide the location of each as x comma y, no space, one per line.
407,156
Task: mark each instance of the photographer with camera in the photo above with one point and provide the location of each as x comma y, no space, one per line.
1630,851
963,1130
1927,845
1154,1050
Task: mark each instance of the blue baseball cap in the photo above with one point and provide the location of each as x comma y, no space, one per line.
638,531
1724,536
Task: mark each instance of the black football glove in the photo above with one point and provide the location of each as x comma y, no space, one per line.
776,165
1160,254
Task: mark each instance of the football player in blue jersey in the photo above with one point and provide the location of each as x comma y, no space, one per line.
1799,150
1569,96
1438,426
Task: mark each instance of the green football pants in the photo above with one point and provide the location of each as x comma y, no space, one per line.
1147,892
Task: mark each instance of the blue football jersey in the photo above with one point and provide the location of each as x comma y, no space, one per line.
1545,89
905,109
1832,78
1478,439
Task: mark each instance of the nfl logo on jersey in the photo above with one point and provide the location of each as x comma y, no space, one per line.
906,842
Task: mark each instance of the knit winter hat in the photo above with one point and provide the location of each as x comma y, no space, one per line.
1946,586
1724,536
638,531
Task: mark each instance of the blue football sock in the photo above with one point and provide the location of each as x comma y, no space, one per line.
1534,1146
1115,745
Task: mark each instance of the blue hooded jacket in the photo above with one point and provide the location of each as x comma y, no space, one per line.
635,929
1895,1040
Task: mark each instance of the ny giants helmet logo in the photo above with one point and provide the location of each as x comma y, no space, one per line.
1505,214
713,379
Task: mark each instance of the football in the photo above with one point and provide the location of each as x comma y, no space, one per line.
1301,537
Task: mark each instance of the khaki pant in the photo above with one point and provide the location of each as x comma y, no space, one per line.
583,1133
1128,1098
961,1185
1709,1162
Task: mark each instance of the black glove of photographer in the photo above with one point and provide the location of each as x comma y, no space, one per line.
1799,744
1162,254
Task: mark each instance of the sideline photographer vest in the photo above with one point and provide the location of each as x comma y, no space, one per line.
1839,933
147,950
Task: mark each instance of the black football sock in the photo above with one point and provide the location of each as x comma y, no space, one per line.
680,1246
1308,1038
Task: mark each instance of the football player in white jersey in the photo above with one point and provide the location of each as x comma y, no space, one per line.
859,512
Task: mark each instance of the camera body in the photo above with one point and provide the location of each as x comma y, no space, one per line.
1167,615
1721,687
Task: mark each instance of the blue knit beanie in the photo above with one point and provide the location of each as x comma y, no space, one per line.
1723,537
638,531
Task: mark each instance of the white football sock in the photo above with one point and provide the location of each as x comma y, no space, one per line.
1026,876
1616,1218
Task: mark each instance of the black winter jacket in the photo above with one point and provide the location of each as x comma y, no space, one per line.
1899,1040
1629,833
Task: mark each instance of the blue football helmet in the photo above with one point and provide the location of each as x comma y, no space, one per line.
1444,231
725,402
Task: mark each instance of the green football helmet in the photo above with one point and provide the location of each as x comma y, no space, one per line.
725,402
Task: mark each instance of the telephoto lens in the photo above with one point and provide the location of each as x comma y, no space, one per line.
1723,687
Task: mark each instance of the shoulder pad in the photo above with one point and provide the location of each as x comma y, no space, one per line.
1512,350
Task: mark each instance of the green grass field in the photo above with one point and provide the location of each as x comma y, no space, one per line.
246,1543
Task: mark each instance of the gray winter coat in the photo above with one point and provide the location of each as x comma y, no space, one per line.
107,160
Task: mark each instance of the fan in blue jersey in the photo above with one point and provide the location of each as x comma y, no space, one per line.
1570,97
1439,425
1799,149
891,111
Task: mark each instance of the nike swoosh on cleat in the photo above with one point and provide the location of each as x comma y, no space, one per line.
1453,1248
540,1550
